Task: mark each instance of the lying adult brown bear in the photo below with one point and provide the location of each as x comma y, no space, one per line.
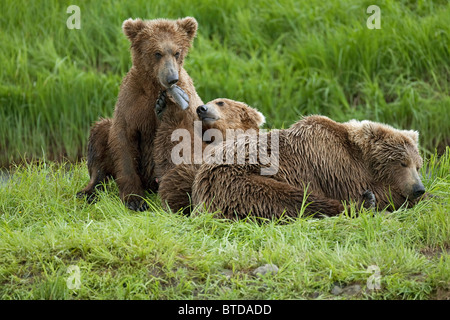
336,162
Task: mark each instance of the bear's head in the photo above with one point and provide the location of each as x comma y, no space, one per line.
393,157
159,47
223,114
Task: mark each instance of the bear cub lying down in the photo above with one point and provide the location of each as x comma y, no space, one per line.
182,135
333,162
221,115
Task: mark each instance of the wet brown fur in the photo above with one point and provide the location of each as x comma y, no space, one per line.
176,181
122,147
336,162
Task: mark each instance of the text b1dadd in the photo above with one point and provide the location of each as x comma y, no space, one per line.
226,309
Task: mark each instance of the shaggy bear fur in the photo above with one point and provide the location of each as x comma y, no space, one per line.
333,162
123,147
219,114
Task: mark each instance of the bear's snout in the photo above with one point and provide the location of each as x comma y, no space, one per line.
202,109
172,78
168,74
207,113
418,190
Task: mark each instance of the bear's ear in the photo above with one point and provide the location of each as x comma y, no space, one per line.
189,25
414,135
260,119
253,116
132,27
368,129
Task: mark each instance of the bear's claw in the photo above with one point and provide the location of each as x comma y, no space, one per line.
369,199
161,104
177,94
137,205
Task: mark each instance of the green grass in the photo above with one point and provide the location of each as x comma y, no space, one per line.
287,58
121,254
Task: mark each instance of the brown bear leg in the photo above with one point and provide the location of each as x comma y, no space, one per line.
260,196
175,188
126,158
98,159
281,195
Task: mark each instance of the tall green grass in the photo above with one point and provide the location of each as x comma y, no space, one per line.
287,58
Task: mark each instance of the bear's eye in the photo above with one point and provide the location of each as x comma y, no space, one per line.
220,103
158,55
404,165
177,55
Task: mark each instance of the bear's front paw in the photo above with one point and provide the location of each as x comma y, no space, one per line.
369,199
160,104
180,97
89,196
137,205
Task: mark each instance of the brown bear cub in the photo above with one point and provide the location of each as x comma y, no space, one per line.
333,162
123,147
220,115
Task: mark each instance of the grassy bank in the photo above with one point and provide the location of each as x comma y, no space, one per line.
44,230
287,58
